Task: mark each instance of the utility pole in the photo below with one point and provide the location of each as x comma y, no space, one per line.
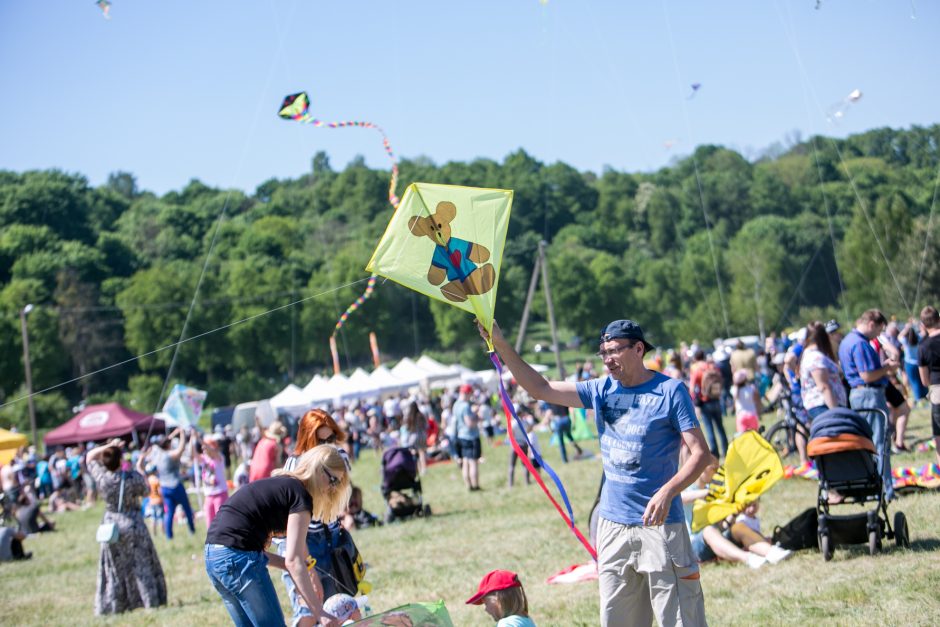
29,373
541,268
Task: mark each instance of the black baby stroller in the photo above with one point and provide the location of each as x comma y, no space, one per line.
401,486
850,473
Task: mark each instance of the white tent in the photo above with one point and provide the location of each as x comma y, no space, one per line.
436,369
314,385
359,385
327,390
291,400
408,370
487,378
463,375
244,414
385,382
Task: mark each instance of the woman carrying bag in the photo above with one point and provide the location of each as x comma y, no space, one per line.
129,571
236,560
315,428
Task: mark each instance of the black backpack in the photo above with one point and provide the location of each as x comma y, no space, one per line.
348,568
799,533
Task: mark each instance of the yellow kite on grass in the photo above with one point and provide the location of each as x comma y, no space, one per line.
447,242
751,467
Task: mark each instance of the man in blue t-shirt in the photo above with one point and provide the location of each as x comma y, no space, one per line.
868,379
646,568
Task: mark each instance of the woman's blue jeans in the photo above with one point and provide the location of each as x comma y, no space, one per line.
241,578
171,498
913,377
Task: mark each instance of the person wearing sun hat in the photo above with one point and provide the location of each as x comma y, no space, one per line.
646,567
501,594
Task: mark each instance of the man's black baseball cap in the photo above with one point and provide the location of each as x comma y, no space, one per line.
625,330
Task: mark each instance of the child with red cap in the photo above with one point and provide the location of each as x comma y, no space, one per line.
501,594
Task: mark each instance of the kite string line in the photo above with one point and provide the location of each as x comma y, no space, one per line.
698,178
626,102
923,259
393,199
221,217
788,33
858,197
331,290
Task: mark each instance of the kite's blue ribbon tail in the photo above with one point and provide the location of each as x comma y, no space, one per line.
507,402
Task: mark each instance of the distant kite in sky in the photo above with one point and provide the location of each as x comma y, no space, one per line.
669,143
297,107
105,7
837,111
695,88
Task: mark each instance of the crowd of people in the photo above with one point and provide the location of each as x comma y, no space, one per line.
661,421
876,363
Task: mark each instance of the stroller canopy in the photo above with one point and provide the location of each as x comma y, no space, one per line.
839,429
839,421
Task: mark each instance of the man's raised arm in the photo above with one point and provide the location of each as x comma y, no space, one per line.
556,392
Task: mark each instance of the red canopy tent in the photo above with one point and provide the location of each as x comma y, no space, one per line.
100,422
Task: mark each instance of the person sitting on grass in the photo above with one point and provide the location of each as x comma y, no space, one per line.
734,540
28,515
355,516
11,545
501,594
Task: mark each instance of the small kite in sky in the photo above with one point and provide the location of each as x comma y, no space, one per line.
105,7
695,88
296,107
669,143
838,110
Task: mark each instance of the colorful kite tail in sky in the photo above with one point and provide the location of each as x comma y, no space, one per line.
296,107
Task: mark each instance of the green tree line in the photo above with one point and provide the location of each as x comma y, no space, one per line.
713,245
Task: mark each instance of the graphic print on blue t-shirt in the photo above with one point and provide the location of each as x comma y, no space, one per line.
640,434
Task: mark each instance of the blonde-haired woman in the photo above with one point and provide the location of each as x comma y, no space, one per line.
315,429
318,486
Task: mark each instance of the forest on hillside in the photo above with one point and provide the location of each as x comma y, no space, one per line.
712,246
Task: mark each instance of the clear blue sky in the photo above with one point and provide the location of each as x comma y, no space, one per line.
171,90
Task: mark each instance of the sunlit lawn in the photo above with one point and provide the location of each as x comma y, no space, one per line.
445,556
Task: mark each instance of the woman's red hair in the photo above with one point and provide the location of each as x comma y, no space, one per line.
307,430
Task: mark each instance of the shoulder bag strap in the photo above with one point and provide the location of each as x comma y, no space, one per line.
121,497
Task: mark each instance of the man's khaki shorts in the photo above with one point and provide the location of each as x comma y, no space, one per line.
648,573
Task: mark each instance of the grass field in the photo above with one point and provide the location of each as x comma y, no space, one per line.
445,556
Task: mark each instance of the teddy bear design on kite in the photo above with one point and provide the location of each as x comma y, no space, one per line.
455,260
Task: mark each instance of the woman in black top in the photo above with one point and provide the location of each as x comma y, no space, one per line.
318,486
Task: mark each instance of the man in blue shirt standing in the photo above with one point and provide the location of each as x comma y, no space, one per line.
868,378
646,568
